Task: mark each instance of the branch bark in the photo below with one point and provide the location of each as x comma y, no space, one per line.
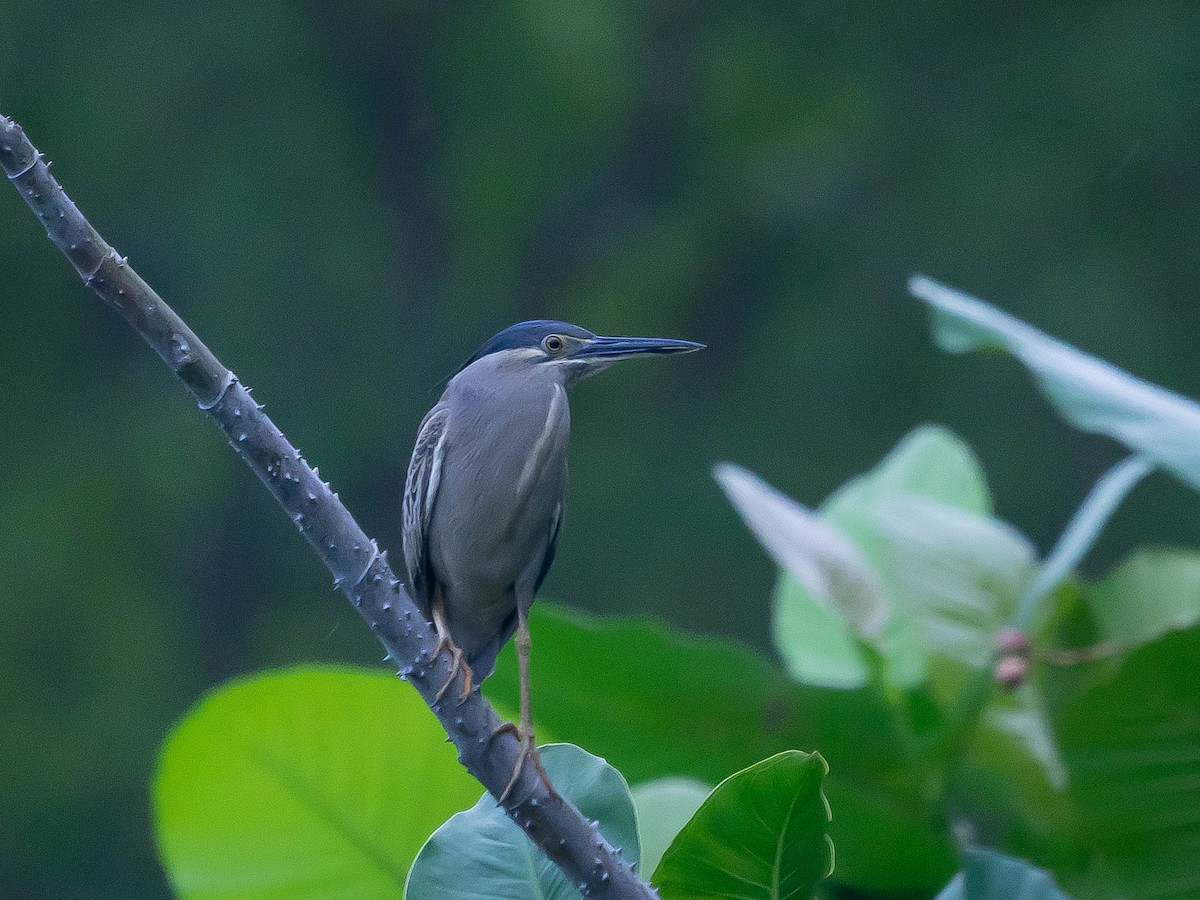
360,570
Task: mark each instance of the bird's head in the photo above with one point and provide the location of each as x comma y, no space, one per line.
573,352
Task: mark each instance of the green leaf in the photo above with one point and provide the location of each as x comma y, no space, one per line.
763,833
1012,784
953,574
308,782
481,853
814,642
656,703
663,807
1092,394
1128,728
988,875
1153,592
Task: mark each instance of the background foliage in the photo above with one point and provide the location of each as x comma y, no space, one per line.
345,199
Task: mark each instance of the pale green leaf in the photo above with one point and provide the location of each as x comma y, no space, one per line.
815,644
1151,593
955,575
950,570
663,807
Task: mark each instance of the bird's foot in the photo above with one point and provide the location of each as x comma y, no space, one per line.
458,662
529,754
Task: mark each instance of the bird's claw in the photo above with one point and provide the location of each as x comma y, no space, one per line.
458,663
529,753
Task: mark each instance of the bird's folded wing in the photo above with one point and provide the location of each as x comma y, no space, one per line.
420,492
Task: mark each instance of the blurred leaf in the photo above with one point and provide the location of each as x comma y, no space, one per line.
762,833
923,556
306,782
1153,592
655,703
663,807
950,570
1128,728
815,644
1012,784
988,875
830,567
1092,394
956,575
930,461
828,571
953,574
480,852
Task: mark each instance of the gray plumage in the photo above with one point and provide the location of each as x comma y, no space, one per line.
486,488
488,477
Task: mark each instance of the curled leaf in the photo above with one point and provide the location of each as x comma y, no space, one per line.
825,562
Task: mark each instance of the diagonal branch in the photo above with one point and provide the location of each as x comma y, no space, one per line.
359,569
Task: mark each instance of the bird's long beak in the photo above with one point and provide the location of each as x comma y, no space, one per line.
610,349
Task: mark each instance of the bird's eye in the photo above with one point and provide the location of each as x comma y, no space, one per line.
553,343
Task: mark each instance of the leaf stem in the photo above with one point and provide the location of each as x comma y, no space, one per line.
1081,532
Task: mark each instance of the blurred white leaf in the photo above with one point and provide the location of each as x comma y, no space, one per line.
825,562
1093,395
956,573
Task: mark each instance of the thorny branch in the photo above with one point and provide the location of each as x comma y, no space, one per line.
360,570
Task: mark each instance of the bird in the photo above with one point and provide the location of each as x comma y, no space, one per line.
485,495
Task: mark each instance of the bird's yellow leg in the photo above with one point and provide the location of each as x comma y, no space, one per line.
524,731
457,660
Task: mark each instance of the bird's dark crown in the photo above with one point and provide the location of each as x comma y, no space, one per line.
526,334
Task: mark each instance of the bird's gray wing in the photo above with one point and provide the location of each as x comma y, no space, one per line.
548,558
420,492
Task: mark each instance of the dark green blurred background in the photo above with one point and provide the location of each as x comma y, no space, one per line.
344,200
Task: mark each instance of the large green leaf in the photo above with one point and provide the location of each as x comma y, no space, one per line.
655,704
956,572
988,875
663,807
951,574
308,782
763,833
1092,394
1129,731
951,571
480,852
